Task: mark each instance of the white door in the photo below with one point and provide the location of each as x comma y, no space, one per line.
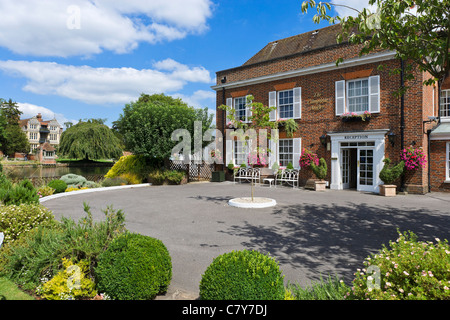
366,179
345,168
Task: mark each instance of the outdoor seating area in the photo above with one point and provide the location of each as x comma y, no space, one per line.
248,174
287,176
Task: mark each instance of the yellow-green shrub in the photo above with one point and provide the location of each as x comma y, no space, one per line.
45,191
70,189
128,164
131,178
70,283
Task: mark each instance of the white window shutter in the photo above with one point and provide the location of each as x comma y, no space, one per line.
273,154
340,97
374,94
297,103
248,109
229,152
229,104
273,103
297,152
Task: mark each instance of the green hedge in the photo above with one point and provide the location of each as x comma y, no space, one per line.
134,267
58,185
242,275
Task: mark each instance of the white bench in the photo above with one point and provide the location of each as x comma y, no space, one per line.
289,176
248,174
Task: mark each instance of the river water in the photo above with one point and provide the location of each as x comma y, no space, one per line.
21,172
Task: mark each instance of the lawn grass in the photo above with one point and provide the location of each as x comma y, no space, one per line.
10,291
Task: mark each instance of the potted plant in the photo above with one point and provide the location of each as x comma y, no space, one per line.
388,175
321,172
353,116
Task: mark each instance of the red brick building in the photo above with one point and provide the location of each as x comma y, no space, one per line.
299,75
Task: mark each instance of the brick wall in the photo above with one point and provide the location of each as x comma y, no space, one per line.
317,121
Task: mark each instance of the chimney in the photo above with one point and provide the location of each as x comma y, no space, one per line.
39,116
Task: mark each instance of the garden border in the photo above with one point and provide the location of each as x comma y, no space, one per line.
64,194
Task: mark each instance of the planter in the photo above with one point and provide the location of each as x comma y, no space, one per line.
388,190
218,176
320,185
355,119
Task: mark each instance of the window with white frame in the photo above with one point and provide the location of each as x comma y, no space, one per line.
286,152
286,104
240,152
358,95
34,136
240,106
445,103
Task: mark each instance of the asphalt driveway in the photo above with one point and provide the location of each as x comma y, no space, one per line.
309,233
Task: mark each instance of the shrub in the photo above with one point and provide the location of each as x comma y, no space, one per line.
174,176
134,267
44,191
320,171
112,182
75,188
131,178
58,185
409,270
331,289
242,275
18,219
24,192
135,164
307,158
74,179
70,283
92,184
388,175
157,177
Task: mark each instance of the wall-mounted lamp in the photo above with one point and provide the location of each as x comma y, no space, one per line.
223,80
413,143
391,137
323,140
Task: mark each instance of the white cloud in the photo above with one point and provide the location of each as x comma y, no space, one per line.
30,110
104,85
343,7
84,27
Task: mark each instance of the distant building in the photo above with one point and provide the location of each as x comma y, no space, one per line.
44,136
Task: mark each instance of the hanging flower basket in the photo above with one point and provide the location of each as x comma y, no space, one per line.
307,158
356,117
414,158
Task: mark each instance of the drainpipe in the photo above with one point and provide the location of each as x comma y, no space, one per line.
402,118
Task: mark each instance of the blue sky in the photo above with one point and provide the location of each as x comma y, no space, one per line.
77,59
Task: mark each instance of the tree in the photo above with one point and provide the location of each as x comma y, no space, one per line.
147,124
12,137
417,30
89,140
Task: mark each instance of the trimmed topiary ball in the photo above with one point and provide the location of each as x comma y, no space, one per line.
242,275
134,267
58,185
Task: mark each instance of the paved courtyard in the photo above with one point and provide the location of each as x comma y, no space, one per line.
309,233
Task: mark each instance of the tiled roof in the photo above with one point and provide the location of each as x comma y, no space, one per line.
298,44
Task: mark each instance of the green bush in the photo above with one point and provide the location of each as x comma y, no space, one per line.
58,185
18,219
38,253
135,164
74,179
134,267
23,192
331,289
242,275
44,191
408,270
320,171
174,176
112,182
388,175
157,177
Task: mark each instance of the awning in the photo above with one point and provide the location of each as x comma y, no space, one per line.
441,132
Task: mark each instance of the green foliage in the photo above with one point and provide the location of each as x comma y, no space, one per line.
12,137
58,185
44,191
74,179
408,270
134,267
242,275
38,253
112,182
290,166
290,126
71,283
131,164
159,177
18,219
147,124
389,174
320,171
331,289
23,192
89,140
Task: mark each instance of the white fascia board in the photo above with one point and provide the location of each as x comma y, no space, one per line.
367,59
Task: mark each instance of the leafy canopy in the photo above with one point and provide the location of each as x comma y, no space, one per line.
89,140
12,138
417,30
